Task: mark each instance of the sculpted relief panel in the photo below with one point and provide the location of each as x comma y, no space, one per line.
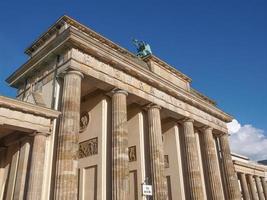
143,89
88,148
132,153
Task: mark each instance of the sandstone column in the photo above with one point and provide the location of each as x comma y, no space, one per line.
264,186
231,182
244,186
156,153
211,165
259,188
22,168
120,160
13,157
67,150
35,183
192,170
3,170
252,188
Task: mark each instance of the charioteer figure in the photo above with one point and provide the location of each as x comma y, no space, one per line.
143,48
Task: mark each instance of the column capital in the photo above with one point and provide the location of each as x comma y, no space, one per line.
223,134
39,133
152,105
206,127
67,72
187,119
75,72
119,91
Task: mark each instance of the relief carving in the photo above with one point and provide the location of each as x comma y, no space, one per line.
141,85
87,59
152,90
132,153
116,73
88,148
84,121
166,161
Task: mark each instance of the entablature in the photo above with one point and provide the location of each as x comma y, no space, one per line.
92,67
29,108
80,39
250,168
18,118
151,79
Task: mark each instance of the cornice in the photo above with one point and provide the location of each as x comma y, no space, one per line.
28,108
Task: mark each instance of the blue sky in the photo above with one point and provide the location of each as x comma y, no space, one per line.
221,45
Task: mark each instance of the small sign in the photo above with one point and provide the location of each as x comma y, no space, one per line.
147,190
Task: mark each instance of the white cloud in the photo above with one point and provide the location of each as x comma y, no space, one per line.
234,126
248,140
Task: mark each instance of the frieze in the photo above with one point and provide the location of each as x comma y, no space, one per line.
88,148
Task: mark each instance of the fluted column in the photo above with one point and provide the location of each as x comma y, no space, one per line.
156,153
35,182
211,165
67,150
3,170
244,186
231,181
120,160
252,187
192,169
13,157
264,186
259,188
19,191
